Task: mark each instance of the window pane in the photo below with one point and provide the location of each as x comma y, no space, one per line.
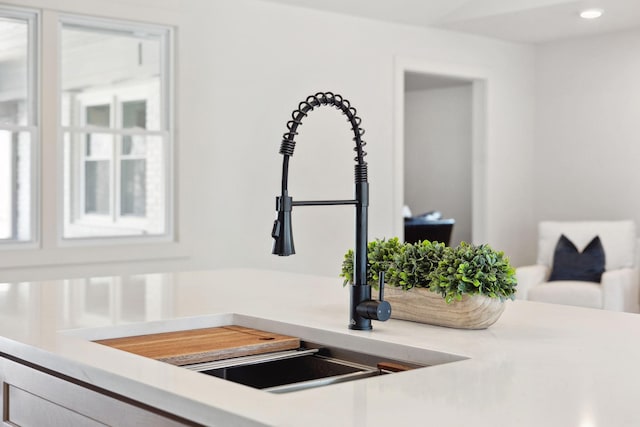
102,65
15,191
115,180
15,185
17,127
134,145
13,71
99,115
99,146
140,200
96,188
134,114
133,195
6,186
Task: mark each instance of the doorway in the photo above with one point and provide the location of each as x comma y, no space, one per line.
437,150
440,147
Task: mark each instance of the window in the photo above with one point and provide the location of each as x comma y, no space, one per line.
18,131
116,129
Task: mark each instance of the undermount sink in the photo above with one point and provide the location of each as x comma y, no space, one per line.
323,357
312,365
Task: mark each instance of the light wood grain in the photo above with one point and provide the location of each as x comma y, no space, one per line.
424,306
203,345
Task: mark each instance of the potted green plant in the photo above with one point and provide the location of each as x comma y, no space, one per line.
463,286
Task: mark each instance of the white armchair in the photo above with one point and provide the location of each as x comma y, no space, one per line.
618,289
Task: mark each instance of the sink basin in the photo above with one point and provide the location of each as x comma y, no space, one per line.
310,366
324,357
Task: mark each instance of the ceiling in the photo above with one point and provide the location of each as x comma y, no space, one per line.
527,21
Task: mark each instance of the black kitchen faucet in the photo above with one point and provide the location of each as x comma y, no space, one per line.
362,307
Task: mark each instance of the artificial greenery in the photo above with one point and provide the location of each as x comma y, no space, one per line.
380,256
469,269
452,272
413,264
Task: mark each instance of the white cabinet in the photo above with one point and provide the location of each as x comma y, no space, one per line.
34,397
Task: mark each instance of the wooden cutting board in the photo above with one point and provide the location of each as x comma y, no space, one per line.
203,345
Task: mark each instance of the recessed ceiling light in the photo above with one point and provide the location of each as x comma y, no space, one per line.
591,13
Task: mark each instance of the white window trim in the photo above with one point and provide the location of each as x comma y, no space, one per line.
166,33
33,17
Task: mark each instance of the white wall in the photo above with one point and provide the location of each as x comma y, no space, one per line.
587,150
438,155
243,65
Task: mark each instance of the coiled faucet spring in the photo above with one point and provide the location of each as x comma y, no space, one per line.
328,98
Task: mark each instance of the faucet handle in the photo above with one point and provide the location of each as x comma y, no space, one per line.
275,233
381,286
376,310
384,308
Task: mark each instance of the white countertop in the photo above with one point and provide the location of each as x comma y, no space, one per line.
539,365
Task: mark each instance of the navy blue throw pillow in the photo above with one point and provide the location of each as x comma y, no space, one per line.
569,264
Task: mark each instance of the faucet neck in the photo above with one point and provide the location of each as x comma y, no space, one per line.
360,290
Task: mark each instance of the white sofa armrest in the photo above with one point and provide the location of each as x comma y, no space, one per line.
620,290
529,276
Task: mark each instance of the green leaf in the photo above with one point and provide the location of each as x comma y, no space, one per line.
452,272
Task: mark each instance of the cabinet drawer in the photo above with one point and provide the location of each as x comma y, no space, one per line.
26,409
31,397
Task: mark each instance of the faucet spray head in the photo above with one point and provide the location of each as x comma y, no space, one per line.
282,232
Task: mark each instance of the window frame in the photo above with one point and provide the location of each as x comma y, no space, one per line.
115,157
33,19
165,131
